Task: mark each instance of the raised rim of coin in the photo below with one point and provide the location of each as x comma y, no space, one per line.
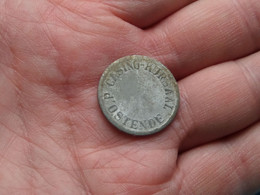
111,118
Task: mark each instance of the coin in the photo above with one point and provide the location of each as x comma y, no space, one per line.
138,95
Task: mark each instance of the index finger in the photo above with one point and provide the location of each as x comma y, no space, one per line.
143,13
205,33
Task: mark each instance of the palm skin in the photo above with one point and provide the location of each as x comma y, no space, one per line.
54,137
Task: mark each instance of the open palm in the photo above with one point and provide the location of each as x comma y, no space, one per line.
54,138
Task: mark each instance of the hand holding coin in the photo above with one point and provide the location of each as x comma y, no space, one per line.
77,77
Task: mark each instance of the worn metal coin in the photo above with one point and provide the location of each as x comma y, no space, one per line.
138,95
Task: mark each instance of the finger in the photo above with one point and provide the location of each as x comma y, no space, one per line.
143,13
230,166
218,101
205,33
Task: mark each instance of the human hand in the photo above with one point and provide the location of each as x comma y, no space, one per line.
54,138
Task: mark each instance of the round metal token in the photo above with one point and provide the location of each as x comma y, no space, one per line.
138,95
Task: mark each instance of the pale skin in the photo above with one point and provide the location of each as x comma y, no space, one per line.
54,138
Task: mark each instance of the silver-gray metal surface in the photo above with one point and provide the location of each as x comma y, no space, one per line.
138,95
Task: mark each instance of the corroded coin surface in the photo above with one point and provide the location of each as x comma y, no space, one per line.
138,95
